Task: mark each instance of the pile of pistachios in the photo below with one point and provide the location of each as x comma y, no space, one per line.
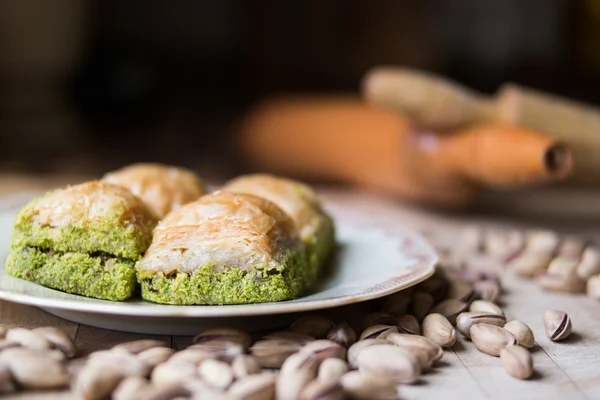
398,339
569,264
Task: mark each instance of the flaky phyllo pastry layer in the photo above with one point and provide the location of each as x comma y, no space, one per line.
84,239
302,204
163,188
225,248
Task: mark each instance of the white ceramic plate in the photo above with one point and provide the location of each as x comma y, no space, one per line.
371,262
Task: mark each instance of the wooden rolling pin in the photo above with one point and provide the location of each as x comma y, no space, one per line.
439,103
346,140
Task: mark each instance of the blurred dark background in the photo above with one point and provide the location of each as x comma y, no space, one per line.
92,85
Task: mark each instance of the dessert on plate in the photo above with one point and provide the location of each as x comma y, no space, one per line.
162,187
84,240
302,204
225,248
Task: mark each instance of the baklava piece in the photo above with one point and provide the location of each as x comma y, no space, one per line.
224,248
84,240
302,204
163,188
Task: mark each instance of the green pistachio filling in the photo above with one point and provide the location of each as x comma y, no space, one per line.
206,285
319,248
110,235
100,276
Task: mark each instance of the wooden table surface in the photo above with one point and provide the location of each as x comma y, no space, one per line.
564,370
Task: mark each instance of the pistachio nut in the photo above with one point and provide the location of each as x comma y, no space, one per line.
504,245
407,342
485,306
394,304
173,392
155,355
449,308
365,386
96,382
313,325
342,334
378,318
244,365
521,332
225,350
332,369
173,373
320,390
193,355
421,304
593,287
356,348
298,337
324,349
378,332
558,325
130,388
561,283
137,346
27,338
57,339
35,369
254,387
271,353
528,265
3,331
490,339
408,324
391,361
296,372
466,320
563,266
517,361
590,263
572,247
224,334
542,241
486,290
437,328
127,363
460,290
217,374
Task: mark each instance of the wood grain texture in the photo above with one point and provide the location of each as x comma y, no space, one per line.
564,370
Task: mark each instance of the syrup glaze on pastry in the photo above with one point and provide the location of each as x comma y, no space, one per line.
84,239
162,187
225,248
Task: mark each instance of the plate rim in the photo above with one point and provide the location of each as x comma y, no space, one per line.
104,307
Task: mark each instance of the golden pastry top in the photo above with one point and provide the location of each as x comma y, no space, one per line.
225,229
298,200
164,188
90,201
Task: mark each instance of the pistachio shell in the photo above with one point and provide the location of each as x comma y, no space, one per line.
342,334
356,348
437,328
449,308
466,320
517,361
490,339
313,325
521,332
391,361
378,332
407,341
558,324
485,306
365,386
